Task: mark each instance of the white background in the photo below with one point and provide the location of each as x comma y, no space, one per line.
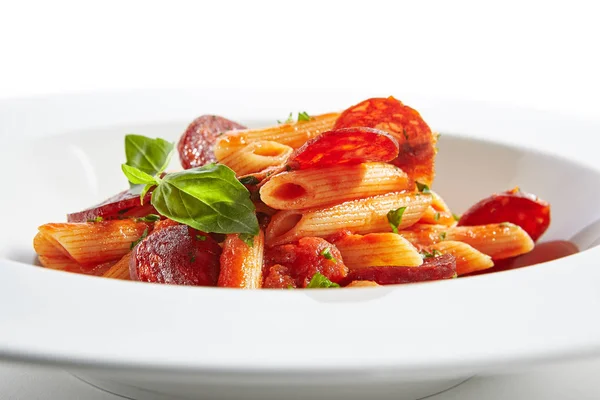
539,54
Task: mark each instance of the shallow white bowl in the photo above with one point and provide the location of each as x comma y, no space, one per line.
152,341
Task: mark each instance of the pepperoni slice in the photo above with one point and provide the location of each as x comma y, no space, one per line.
345,146
433,269
417,142
524,209
302,260
197,142
177,255
122,205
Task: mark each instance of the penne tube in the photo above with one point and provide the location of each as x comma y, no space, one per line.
241,265
360,216
121,269
378,250
438,203
498,241
60,263
323,186
354,284
257,156
45,246
435,217
93,243
293,134
467,258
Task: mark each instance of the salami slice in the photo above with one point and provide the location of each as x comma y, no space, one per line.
416,141
433,268
524,209
177,255
345,146
197,142
122,205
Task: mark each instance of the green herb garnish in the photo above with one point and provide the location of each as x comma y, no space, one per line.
395,218
144,236
456,217
327,254
149,218
319,281
303,116
434,253
97,219
249,180
200,238
247,238
423,188
405,133
148,155
436,216
207,198
289,120
443,236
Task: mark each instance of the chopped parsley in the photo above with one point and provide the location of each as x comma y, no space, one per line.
97,219
320,281
290,287
436,216
289,120
303,116
405,133
144,235
249,180
201,238
327,254
434,253
395,218
423,188
456,217
443,236
149,218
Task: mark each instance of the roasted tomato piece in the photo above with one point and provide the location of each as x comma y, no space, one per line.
524,209
432,269
417,142
197,142
123,205
345,146
278,277
177,255
304,259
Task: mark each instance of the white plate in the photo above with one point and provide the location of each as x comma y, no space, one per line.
63,154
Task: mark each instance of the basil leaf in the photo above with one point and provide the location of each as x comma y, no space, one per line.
320,281
144,191
148,155
247,238
395,218
137,177
208,198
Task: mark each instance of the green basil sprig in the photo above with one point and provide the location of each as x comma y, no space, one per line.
150,156
208,198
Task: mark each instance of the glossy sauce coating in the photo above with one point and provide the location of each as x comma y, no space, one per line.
122,205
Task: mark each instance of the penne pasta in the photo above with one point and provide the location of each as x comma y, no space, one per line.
93,243
362,284
121,269
360,216
293,135
60,263
467,258
257,156
378,250
436,217
241,265
322,186
45,246
498,241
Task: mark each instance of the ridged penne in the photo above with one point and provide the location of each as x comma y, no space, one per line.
257,156
121,269
378,250
360,216
322,186
60,263
467,258
45,246
496,240
241,265
436,217
93,243
293,135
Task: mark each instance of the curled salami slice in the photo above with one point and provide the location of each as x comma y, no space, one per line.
197,142
417,142
302,260
122,205
524,209
177,255
433,268
345,146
